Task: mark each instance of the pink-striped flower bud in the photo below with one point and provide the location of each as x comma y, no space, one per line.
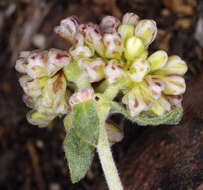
53,97
138,69
68,28
157,60
82,95
94,68
94,39
175,100
154,85
81,52
21,62
134,47
57,59
37,118
114,45
29,101
175,85
113,71
32,87
109,24
130,19
174,65
136,101
37,64
79,39
161,106
115,134
146,30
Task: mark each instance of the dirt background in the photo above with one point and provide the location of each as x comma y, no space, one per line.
33,158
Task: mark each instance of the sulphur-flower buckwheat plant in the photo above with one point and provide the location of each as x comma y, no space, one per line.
107,70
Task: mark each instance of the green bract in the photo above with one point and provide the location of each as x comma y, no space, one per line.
106,70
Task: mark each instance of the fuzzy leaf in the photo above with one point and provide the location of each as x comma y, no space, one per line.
79,155
170,118
86,122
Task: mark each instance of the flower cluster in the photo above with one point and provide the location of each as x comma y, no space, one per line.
101,55
44,84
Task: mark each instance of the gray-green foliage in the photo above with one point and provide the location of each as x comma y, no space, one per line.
79,155
171,118
81,139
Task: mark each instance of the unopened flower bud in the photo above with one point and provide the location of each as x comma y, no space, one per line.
37,64
32,87
114,45
136,101
115,134
175,65
130,19
68,28
126,31
175,100
94,68
175,85
154,85
79,40
93,38
109,24
52,99
113,71
157,60
57,59
37,118
81,51
161,106
82,95
29,101
134,47
146,30
21,62
138,69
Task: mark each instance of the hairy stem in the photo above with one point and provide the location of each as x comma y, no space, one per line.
105,155
107,162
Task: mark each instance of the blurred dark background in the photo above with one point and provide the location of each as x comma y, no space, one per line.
33,158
